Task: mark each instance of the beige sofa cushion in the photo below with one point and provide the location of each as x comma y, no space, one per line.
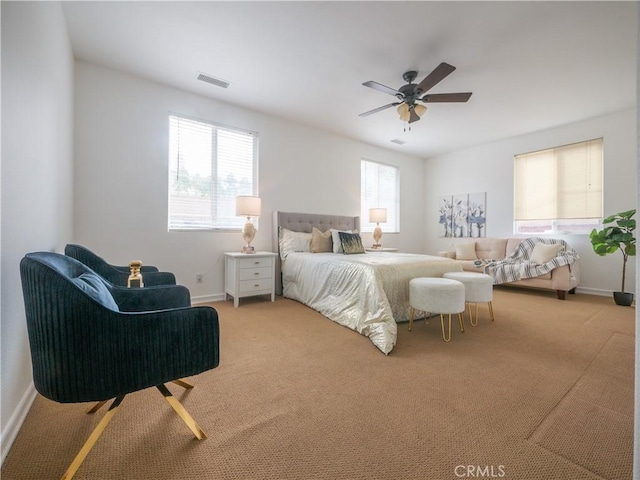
468,266
491,248
466,251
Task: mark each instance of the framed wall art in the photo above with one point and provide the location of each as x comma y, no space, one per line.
462,215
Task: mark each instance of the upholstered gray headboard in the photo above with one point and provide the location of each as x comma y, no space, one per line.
304,222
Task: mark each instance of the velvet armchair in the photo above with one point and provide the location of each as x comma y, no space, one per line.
118,275
93,341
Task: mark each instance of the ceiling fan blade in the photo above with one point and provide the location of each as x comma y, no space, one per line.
446,97
439,73
379,109
381,88
414,116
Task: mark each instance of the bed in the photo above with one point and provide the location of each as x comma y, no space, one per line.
367,292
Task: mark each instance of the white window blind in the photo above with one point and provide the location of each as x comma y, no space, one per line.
379,188
209,165
559,186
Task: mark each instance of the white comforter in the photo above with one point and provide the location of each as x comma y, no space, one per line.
367,292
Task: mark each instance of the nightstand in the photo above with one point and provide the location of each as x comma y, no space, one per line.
383,249
249,274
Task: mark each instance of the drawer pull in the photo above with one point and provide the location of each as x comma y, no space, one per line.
256,274
257,285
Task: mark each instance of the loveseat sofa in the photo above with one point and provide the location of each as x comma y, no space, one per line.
474,254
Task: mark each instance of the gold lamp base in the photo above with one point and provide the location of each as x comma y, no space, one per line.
377,236
248,233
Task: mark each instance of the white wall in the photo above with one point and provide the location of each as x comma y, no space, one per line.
121,150
37,171
489,168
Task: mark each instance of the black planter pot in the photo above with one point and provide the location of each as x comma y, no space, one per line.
623,299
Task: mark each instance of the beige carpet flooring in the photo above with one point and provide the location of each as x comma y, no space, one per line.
544,392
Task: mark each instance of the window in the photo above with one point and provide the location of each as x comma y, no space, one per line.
559,189
379,188
209,165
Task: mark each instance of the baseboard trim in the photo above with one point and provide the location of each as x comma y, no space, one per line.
14,424
594,291
208,298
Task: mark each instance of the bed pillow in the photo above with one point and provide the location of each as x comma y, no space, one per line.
335,237
321,242
291,241
543,252
466,251
351,243
94,286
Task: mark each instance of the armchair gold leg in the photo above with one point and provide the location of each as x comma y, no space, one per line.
461,321
182,383
182,412
179,382
491,311
86,448
97,406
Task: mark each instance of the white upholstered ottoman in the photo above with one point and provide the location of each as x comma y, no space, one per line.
478,289
437,295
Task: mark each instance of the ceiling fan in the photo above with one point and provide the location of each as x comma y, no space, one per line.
409,94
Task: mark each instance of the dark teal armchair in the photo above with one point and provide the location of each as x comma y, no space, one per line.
92,341
118,275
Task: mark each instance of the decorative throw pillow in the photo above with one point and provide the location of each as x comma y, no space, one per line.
94,286
466,251
335,237
351,243
321,242
291,241
544,252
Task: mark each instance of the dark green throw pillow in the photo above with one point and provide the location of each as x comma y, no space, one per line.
95,287
351,243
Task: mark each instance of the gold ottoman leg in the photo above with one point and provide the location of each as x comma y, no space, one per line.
444,336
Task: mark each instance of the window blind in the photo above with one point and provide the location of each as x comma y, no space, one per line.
379,188
209,165
559,183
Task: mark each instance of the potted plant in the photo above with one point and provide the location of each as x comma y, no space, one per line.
617,236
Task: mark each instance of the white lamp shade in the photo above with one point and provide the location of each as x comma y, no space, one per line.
248,206
378,215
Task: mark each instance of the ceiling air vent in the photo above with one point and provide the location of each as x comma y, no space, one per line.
212,80
397,141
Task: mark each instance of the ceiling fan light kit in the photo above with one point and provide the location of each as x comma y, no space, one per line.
409,94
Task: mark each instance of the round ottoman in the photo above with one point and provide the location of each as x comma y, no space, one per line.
437,295
478,289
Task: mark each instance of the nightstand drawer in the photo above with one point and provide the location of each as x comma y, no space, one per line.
255,262
265,284
255,273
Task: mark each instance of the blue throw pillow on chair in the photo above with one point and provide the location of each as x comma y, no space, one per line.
94,286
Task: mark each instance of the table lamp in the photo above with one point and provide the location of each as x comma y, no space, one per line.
248,206
378,215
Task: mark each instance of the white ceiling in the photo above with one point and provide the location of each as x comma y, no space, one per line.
530,65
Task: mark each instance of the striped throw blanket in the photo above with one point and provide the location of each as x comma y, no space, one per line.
518,265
